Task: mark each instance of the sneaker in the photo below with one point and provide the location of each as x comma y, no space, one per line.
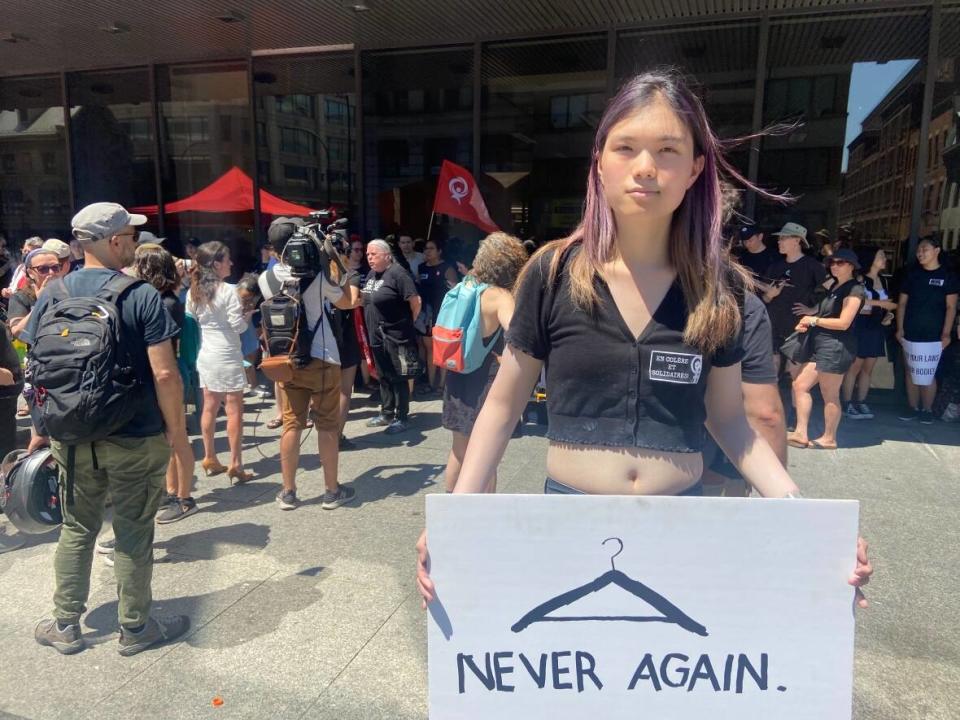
105,547
166,501
287,499
263,391
108,559
909,414
343,495
66,642
853,412
379,421
178,511
396,427
865,412
155,631
347,444
926,417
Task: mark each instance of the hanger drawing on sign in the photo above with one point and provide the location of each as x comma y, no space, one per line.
670,613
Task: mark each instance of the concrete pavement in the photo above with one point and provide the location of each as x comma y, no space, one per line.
313,614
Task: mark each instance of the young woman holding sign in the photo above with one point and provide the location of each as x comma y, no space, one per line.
636,316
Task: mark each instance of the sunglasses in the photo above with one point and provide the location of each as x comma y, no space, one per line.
46,269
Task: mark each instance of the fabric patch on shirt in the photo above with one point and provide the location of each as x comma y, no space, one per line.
936,281
680,368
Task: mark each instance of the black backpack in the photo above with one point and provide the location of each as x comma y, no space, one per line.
84,382
284,320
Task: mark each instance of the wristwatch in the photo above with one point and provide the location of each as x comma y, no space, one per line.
814,321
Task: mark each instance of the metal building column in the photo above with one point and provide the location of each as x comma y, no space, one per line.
252,99
611,63
69,143
155,127
361,152
477,102
759,90
930,79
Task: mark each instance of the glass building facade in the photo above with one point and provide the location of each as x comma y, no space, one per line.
365,131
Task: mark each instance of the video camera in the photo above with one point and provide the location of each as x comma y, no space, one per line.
314,246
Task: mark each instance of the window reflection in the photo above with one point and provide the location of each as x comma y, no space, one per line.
34,187
111,132
306,135
542,101
418,112
205,133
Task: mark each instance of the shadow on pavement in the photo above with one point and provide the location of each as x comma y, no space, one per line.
289,594
212,543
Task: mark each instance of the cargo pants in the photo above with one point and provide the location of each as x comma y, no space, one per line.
133,470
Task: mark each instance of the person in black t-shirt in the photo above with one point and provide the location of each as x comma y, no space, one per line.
794,280
754,255
634,317
435,277
871,329
926,310
390,306
834,343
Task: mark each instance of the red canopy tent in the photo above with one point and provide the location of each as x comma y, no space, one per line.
232,192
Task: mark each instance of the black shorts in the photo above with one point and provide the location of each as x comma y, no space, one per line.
834,354
350,351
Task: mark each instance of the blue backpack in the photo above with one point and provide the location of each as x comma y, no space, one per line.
458,330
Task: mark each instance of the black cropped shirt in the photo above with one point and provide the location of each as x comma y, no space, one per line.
603,387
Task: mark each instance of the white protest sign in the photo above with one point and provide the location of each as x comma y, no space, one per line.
713,608
922,360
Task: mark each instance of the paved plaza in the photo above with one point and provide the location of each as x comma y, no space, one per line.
313,614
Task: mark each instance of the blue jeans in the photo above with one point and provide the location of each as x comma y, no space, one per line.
552,487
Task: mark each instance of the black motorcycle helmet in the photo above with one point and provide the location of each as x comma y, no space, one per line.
28,491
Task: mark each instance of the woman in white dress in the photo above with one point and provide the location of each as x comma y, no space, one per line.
219,313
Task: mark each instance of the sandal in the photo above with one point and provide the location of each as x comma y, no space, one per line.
814,445
275,423
797,442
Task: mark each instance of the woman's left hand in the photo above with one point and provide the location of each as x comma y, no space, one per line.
6,376
861,575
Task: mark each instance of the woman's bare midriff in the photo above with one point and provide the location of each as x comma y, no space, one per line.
598,470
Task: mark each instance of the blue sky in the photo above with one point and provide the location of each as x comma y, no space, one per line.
869,82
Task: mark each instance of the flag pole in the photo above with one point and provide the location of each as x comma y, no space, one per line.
430,227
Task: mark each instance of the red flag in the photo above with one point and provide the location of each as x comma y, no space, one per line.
459,196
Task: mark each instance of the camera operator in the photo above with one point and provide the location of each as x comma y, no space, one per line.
315,386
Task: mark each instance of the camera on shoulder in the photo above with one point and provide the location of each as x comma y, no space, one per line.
314,247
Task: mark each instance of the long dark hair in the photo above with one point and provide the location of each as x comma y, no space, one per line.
204,280
696,245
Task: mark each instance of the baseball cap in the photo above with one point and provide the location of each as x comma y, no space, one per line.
146,236
58,247
748,231
846,255
282,229
101,220
792,229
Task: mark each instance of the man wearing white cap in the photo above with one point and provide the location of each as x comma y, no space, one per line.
131,463
794,280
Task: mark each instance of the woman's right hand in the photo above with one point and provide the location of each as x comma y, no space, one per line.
424,583
6,376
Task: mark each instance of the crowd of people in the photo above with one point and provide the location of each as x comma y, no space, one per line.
661,355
